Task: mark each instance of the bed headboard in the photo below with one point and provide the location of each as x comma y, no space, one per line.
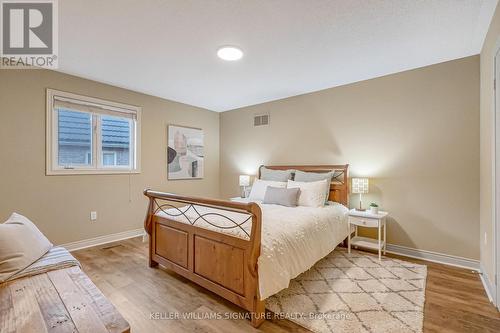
339,187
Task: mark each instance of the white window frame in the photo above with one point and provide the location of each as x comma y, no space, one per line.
103,107
115,158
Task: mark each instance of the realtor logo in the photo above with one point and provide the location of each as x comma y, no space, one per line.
29,34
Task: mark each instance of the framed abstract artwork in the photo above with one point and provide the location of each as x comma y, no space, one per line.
185,152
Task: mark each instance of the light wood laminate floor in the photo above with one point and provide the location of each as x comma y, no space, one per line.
150,298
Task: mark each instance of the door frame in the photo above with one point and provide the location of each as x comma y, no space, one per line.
494,288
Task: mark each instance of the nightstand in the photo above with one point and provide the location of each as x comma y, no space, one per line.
367,220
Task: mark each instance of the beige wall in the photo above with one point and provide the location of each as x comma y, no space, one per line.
490,45
415,134
61,205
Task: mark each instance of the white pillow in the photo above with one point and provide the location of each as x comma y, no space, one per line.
259,188
21,244
312,194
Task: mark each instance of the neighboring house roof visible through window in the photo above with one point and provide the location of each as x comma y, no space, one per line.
115,132
75,129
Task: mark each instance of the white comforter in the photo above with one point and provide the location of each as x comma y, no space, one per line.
293,239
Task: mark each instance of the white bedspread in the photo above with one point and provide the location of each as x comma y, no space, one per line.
293,239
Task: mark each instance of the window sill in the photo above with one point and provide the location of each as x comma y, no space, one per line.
90,172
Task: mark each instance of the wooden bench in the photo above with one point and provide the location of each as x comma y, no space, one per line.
63,300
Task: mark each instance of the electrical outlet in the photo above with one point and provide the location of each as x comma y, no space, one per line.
93,216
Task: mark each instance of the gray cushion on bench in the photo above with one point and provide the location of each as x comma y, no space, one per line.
57,258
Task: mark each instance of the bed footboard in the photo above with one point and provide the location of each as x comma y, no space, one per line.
220,262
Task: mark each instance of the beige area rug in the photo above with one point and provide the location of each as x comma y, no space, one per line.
355,293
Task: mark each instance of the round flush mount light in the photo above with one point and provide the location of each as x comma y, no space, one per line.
230,53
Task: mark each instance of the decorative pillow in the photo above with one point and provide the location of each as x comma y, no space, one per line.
312,194
21,244
301,176
259,188
275,175
281,196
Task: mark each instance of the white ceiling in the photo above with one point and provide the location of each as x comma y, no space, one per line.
167,48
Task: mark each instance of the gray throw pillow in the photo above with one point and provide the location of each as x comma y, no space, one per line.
281,196
301,176
275,175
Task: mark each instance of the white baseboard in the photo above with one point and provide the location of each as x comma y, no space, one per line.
447,259
73,246
488,287
440,258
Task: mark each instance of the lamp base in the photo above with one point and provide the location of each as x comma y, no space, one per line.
360,209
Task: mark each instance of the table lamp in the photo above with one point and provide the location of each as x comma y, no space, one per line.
244,182
360,186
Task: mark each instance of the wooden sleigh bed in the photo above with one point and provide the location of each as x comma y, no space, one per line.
220,262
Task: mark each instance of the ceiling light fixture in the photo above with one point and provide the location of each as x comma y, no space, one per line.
229,53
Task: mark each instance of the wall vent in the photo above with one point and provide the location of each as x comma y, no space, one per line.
261,120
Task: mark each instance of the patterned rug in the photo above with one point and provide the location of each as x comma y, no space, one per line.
355,293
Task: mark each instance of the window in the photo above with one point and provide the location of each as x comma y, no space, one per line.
90,136
108,158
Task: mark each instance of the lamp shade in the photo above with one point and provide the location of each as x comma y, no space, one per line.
359,185
244,180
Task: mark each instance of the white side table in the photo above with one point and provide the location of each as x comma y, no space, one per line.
368,220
